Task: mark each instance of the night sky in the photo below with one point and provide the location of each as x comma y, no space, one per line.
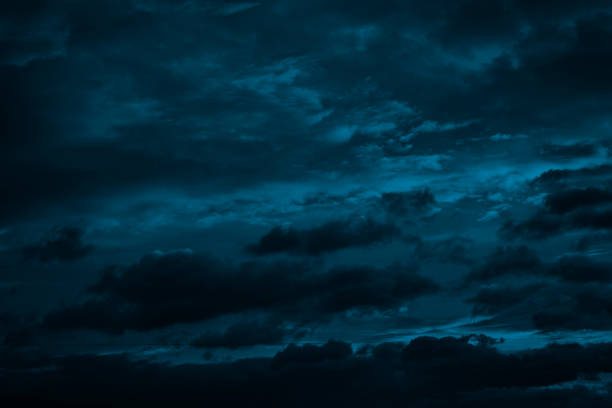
306,203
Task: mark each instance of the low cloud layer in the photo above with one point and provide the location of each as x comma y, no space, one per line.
425,372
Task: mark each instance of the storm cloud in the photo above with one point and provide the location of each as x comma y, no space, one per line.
426,372
223,178
187,288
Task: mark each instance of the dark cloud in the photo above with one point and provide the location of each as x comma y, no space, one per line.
324,199
553,177
545,62
164,124
569,200
536,227
489,301
452,250
546,225
592,240
576,309
161,290
311,354
546,306
331,236
407,203
565,210
581,269
496,20
63,244
506,261
523,261
555,151
426,372
568,294
243,335
80,95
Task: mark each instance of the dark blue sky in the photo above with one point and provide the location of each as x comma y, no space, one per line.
206,181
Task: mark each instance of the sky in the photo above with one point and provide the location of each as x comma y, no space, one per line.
306,202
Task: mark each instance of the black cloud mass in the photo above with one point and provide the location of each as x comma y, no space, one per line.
291,203
65,244
163,289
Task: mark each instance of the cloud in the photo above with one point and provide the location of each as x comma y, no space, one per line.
522,261
505,261
329,237
311,354
571,293
497,21
546,306
489,301
243,334
544,225
148,115
566,201
406,203
581,269
63,244
425,372
451,250
161,290
534,228
568,151
565,210
430,126
234,8
233,110
562,177
576,308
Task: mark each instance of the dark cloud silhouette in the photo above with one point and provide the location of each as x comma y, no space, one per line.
581,269
523,261
407,203
425,372
571,293
311,354
331,236
489,301
499,21
565,210
546,307
537,227
545,225
570,151
242,335
64,244
580,308
554,177
161,290
506,261
452,250
566,201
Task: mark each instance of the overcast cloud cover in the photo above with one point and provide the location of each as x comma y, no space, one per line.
298,203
